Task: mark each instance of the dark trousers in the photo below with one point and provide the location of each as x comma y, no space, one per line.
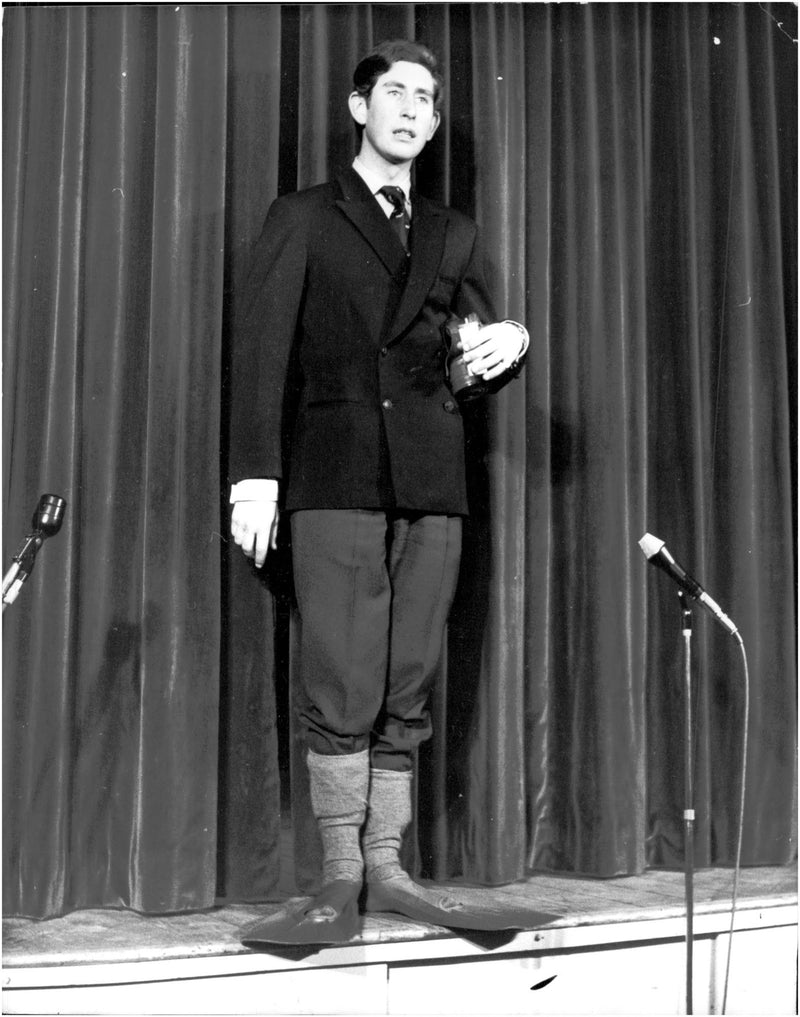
374,590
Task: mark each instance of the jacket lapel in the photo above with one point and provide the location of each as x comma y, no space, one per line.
428,230
364,212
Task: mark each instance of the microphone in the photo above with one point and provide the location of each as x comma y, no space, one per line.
47,519
657,554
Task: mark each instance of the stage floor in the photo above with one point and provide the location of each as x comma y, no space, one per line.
118,936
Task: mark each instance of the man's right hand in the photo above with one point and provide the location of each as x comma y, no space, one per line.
254,527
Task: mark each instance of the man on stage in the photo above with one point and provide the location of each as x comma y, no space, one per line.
352,284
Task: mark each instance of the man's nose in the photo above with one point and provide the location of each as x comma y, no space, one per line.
408,109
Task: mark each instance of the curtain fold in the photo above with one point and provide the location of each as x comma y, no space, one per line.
111,652
497,749
251,672
633,171
719,400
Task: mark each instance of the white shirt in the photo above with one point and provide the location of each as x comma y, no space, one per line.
375,181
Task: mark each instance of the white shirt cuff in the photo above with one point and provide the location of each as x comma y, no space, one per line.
525,338
254,489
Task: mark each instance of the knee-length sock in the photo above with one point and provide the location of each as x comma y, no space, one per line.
339,787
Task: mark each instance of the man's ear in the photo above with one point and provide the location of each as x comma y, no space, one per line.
434,124
358,108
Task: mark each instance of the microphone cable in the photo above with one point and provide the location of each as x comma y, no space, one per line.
714,435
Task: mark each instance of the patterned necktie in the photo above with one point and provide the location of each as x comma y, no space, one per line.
399,217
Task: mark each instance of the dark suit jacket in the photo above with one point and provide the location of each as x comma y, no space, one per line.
338,363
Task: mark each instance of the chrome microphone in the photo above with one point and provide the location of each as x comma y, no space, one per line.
657,554
46,522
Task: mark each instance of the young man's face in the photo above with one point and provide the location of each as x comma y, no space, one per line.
398,118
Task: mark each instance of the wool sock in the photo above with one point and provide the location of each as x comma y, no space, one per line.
390,887
339,786
388,816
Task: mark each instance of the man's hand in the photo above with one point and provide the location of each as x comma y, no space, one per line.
493,349
254,527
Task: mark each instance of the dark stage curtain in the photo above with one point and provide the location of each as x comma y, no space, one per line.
114,185
633,168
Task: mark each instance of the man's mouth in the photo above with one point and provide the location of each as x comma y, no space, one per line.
404,132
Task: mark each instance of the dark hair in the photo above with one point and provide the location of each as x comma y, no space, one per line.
387,53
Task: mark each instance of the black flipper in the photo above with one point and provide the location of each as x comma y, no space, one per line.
330,917
450,912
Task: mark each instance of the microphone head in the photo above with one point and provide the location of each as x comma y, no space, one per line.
49,515
650,545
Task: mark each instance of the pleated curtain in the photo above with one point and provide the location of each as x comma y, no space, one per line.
633,171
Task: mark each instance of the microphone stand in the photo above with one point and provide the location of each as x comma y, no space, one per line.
688,812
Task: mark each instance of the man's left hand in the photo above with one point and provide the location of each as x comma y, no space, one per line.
493,349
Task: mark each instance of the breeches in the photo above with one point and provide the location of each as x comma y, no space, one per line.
374,590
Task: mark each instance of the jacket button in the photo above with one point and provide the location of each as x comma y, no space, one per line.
387,404
384,351
449,406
